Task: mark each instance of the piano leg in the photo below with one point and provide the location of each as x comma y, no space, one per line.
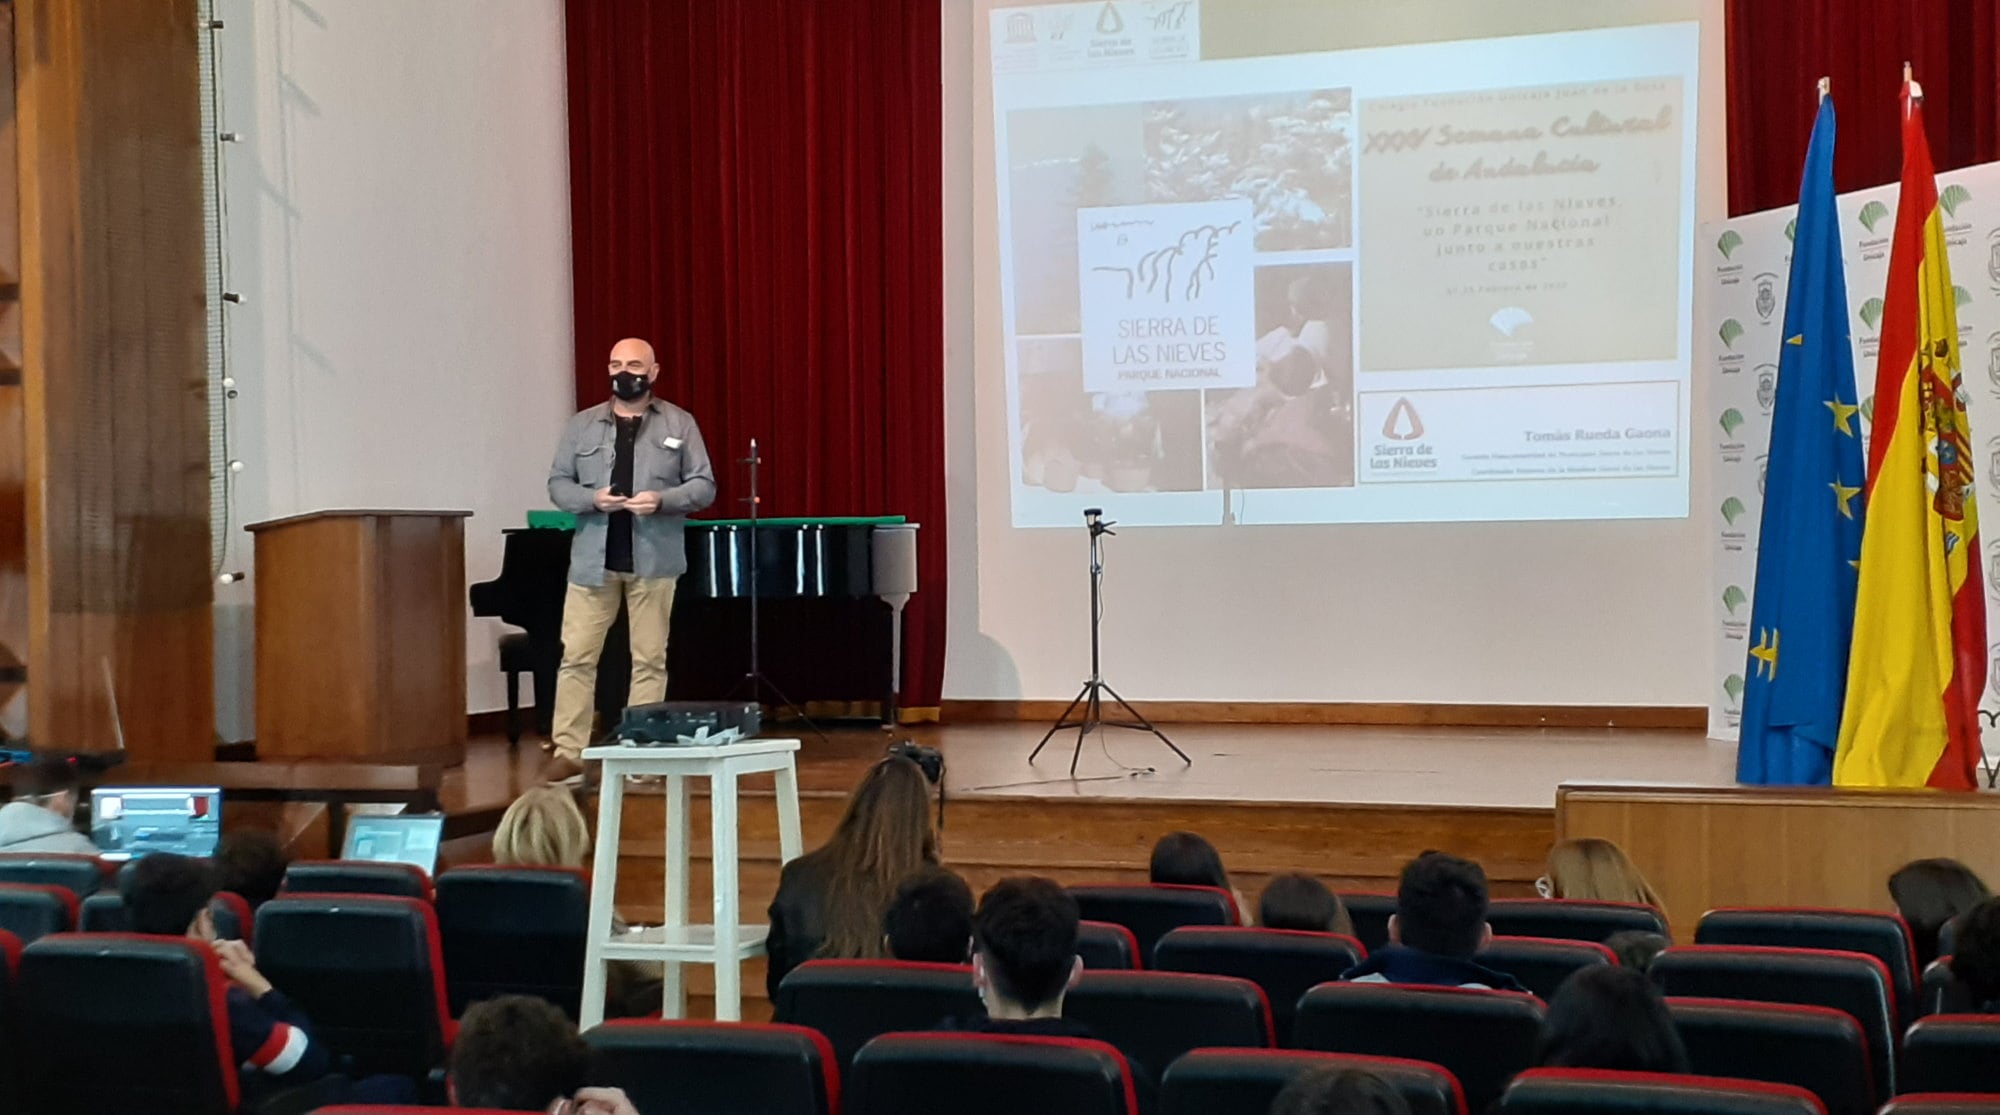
889,703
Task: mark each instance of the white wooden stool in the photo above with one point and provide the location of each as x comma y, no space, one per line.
723,942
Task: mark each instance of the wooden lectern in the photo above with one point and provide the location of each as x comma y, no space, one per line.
361,636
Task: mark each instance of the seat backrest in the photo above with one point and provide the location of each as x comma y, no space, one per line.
715,1068
104,912
1944,1103
1370,913
1150,910
1543,963
852,1001
75,872
1595,1092
1952,1053
1846,981
1570,919
32,910
1157,1016
1285,963
1816,1048
1885,936
1482,1037
513,931
400,1109
10,1076
345,876
1103,945
116,1022
985,1074
367,969
1245,1081
1942,993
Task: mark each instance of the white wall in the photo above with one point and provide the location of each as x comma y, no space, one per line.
398,223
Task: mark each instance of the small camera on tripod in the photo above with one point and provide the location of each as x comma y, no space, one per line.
929,759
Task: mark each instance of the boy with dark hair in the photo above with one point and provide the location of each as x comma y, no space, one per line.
520,1053
42,816
1438,926
167,895
1024,962
930,919
251,863
1975,957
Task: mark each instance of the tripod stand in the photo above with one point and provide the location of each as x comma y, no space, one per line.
754,679
1091,696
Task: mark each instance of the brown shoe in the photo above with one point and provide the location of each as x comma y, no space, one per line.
562,768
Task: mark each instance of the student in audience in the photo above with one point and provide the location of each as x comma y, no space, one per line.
1975,957
1186,860
1597,870
831,901
1635,948
251,863
42,816
1929,893
1024,962
167,895
520,1053
930,919
1438,926
1610,1018
1300,901
545,828
1331,1090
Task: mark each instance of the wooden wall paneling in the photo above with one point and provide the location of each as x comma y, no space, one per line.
113,336
13,450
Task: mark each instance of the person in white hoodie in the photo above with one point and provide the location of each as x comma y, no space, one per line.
41,818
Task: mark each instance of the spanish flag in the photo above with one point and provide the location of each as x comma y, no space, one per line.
1916,670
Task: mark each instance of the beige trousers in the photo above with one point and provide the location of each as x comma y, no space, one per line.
589,612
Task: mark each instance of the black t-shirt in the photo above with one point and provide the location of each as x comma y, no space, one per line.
618,546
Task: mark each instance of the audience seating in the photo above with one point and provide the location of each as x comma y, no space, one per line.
1370,914
1482,1037
397,1109
1816,1048
1103,946
342,876
80,874
1570,919
851,1001
1942,993
104,912
1952,1053
1286,964
1542,963
1846,981
115,1022
368,970
513,930
10,967
1150,911
1157,1016
985,1074
716,1068
31,911
1594,1092
1883,936
1944,1103
1245,1081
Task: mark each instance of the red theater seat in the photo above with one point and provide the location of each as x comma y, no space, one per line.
1543,963
1593,1092
1883,936
1151,911
514,931
852,1001
1816,1048
1570,919
1285,963
1953,1053
1157,1016
79,874
1370,914
985,1074
1107,947
1482,1037
31,911
343,876
1245,1081
716,1068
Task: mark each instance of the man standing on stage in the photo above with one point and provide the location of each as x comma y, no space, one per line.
631,470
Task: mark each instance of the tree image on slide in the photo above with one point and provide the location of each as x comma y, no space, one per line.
1290,155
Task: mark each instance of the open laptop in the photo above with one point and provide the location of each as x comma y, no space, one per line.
129,821
405,838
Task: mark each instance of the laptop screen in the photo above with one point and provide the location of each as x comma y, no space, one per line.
409,839
128,821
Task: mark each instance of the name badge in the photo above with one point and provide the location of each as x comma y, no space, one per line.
671,443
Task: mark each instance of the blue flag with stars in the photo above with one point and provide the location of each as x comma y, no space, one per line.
1809,541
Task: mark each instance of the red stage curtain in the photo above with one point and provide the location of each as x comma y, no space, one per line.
1779,48
755,188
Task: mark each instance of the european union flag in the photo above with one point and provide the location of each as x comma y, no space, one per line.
1809,543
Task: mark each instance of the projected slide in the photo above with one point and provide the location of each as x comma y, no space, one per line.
1434,282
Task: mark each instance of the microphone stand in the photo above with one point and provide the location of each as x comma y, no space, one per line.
755,680
1091,697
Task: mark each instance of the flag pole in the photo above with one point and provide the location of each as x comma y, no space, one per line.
1825,87
1916,90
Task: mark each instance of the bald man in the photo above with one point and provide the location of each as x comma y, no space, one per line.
631,470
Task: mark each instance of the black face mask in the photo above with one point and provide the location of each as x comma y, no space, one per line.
630,386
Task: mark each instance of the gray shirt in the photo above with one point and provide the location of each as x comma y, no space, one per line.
27,827
671,460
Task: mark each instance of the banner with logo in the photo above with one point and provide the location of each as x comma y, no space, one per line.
1742,291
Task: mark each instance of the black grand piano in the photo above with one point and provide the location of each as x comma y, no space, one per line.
821,584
